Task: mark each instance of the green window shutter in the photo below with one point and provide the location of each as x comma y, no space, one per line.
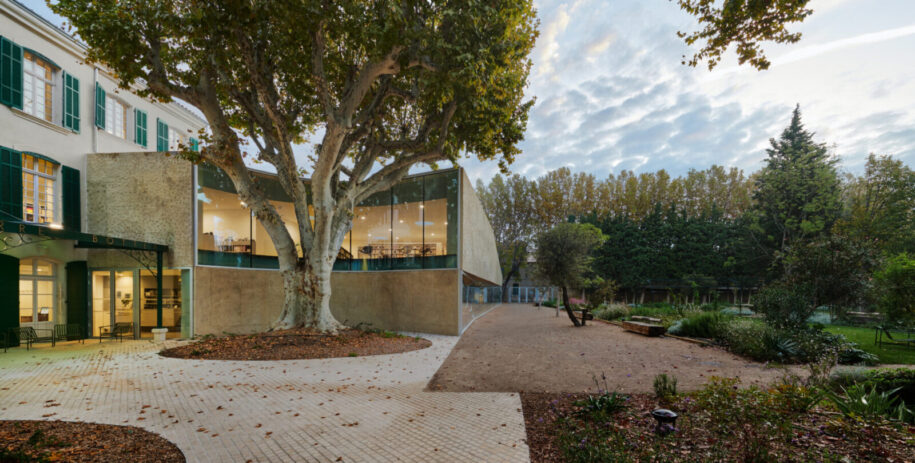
9,296
10,184
71,103
99,106
10,73
71,193
78,294
195,144
161,135
140,127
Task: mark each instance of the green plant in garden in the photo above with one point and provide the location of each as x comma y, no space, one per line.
612,312
665,387
785,306
869,402
702,325
896,289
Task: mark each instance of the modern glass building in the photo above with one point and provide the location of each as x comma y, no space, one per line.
412,226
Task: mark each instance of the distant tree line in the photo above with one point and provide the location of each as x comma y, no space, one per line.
719,228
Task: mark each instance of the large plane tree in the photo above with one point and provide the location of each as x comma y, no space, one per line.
383,85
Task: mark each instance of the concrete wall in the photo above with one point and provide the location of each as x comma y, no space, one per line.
234,300
478,242
246,301
141,196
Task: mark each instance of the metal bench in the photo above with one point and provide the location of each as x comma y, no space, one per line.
28,336
116,331
881,330
69,332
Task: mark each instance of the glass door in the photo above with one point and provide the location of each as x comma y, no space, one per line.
124,300
113,300
101,300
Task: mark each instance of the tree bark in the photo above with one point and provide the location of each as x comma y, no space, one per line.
514,270
568,306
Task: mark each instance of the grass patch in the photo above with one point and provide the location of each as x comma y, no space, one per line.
864,337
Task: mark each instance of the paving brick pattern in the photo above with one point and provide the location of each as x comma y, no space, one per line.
368,409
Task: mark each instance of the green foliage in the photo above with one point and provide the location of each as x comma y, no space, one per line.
896,289
881,205
550,303
834,270
744,24
785,306
564,255
612,312
509,204
901,380
602,405
665,387
707,325
869,402
797,194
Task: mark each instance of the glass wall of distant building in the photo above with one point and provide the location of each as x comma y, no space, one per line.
410,226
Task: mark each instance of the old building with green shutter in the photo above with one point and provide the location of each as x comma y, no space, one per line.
99,227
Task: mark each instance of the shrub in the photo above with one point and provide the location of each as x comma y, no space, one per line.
869,402
665,387
896,289
549,303
750,338
701,325
612,312
902,379
785,306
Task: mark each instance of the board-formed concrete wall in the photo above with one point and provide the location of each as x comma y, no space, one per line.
228,300
141,196
478,243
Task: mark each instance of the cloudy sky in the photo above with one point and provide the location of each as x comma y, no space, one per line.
612,95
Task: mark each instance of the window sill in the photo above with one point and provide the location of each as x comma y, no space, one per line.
113,136
40,121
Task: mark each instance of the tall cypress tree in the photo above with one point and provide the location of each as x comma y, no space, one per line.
798,191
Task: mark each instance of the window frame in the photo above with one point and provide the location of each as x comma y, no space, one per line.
34,278
36,174
29,78
111,104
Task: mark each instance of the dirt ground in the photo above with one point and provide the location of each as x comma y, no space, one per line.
298,344
522,348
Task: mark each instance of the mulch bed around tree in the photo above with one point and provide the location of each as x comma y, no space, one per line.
815,431
40,441
298,344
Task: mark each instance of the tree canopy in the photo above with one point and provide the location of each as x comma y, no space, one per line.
564,256
384,85
744,24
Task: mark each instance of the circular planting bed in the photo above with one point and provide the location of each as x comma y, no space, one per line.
82,442
298,344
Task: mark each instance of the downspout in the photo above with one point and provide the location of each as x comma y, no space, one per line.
94,128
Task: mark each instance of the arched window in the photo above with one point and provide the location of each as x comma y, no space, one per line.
37,293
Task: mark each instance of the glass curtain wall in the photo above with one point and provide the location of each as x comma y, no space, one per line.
411,226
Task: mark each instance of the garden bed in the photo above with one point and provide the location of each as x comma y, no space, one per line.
718,423
22,441
298,344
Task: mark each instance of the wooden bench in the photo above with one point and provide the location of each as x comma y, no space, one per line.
647,329
642,318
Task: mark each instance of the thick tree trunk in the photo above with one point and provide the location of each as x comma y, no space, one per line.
514,270
568,306
307,299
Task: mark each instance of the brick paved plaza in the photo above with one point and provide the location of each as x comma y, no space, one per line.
361,409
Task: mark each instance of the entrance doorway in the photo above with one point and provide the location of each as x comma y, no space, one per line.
129,296
113,300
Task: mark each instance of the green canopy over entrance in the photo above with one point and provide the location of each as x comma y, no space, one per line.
39,233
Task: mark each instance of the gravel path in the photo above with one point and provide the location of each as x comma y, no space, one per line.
524,348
